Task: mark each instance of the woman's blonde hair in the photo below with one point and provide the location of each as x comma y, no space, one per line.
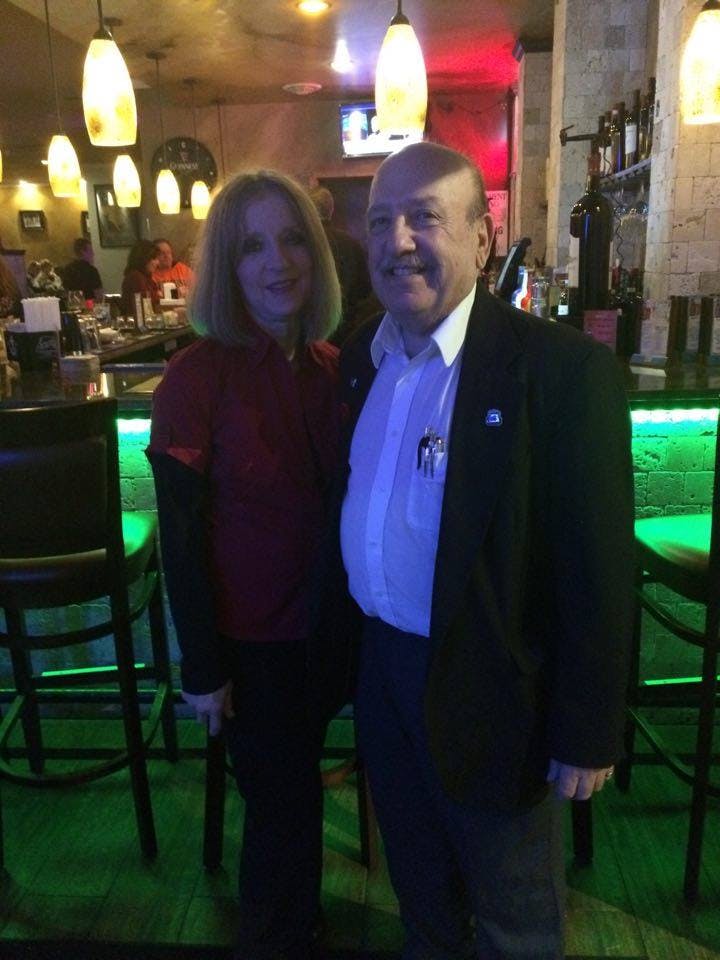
217,308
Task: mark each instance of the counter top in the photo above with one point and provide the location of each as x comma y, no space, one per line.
169,339
133,383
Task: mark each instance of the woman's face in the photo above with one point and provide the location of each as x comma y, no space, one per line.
275,267
152,264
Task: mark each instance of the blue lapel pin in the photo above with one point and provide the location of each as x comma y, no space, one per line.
493,418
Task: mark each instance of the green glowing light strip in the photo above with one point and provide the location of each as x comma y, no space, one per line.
709,415
132,426
65,673
671,680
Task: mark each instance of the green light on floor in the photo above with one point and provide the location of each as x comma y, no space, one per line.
708,415
126,426
671,680
83,670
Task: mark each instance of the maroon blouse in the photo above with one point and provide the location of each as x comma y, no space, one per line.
267,439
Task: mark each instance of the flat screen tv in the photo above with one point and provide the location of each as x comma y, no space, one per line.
360,135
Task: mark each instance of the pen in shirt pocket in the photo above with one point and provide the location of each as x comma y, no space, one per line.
430,450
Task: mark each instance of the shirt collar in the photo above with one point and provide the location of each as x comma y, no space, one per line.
448,337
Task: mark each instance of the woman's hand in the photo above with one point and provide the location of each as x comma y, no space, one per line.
212,706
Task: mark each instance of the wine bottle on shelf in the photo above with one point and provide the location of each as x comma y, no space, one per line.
651,115
605,147
591,223
631,132
616,140
642,147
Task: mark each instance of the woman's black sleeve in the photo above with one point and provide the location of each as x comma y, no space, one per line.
182,500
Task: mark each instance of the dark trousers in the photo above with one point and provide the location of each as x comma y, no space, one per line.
275,754
471,880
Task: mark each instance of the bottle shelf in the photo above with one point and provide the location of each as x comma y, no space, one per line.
637,173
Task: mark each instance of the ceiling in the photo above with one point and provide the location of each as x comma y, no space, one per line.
245,51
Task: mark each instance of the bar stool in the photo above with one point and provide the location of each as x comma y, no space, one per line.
64,540
216,769
683,554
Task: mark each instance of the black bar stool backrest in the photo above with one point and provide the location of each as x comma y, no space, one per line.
59,480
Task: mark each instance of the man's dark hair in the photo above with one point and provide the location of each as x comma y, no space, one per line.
80,246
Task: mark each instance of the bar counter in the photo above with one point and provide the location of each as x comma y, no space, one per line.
674,417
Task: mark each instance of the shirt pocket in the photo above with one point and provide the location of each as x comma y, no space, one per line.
425,496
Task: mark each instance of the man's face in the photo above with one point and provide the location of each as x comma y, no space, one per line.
88,253
165,256
424,255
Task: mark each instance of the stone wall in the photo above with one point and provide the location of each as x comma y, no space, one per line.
683,239
599,58
533,106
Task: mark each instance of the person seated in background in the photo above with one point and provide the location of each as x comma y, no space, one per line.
350,263
33,269
81,273
46,282
142,261
170,270
9,292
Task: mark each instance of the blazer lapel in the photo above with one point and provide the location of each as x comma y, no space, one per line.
488,405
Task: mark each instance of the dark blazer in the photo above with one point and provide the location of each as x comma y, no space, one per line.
532,599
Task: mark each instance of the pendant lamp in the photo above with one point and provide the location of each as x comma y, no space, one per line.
199,193
167,190
400,81
126,181
218,104
700,68
107,92
63,165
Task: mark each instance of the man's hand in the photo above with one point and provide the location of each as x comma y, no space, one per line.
212,706
577,783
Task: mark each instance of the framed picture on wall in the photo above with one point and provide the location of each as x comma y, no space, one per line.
117,226
32,221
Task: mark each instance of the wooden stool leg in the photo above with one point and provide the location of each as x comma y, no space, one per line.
703,756
22,673
133,736
623,769
161,661
582,829
214,828
369,853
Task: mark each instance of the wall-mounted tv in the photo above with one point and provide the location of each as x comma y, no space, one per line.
360,134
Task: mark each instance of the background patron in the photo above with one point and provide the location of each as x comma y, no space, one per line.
170,270
81,273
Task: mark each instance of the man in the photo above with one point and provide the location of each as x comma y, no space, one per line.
350,263
170,270
487,535
81,273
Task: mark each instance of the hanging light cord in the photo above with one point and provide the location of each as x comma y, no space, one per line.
192,101
162,129
52,66
220,132
100,14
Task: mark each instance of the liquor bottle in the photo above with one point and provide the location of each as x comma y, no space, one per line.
522,288
617,139
563,306
631,132
591,221
642,147
651,114
606,166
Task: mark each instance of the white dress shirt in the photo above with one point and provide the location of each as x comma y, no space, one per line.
391,513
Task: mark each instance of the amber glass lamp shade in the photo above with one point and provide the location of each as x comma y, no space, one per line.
200,200
1,169
108,95
63,167
401,82
700,68
126,181
167,192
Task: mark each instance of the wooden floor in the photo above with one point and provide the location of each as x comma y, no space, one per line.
73,869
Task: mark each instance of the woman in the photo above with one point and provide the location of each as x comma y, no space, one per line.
142,261
244,439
